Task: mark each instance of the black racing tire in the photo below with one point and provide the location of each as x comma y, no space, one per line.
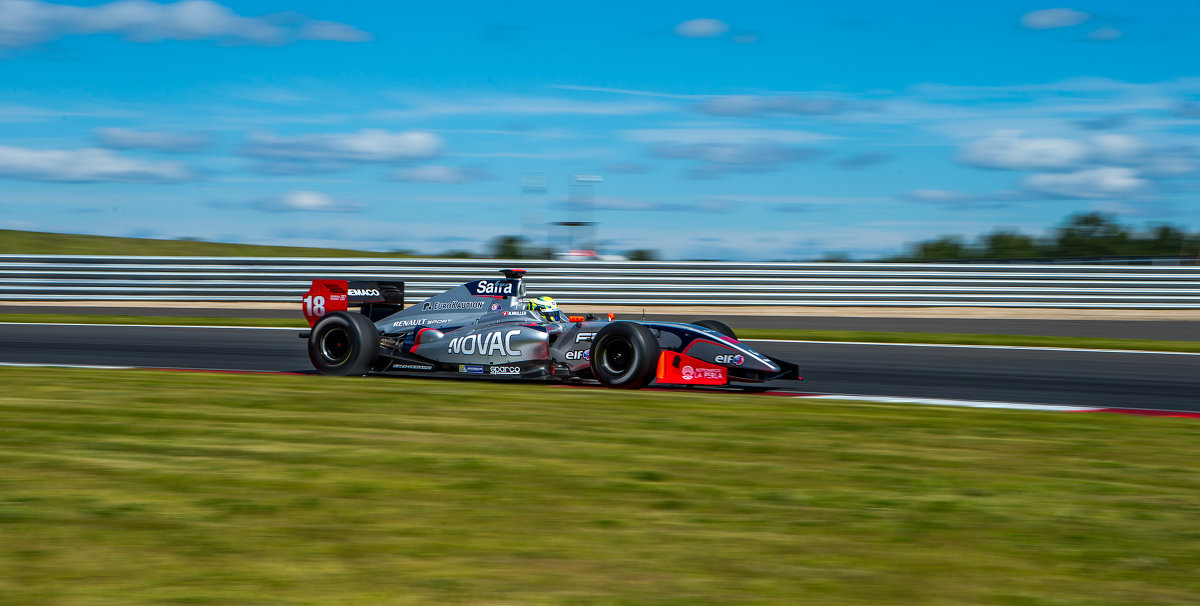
343,344
718,326
624,355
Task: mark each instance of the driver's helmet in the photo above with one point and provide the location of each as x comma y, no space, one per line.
545,307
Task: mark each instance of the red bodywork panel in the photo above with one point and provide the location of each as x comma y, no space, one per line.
680,369
323,297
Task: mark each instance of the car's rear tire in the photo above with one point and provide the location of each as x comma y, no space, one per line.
718,326
624,355
343,344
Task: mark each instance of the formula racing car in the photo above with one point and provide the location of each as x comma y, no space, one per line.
489,328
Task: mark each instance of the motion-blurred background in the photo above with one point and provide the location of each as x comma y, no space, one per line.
697,130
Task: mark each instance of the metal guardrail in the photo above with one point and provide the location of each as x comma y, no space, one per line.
212,279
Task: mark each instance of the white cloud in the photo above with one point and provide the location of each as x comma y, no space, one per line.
426,107
723,135
1095,183
85,165
748,105
1106,34
621,91
441,174
1053,18
940,196
333,32
28,22
1011,151
307,201
367,145
1117,149
630,204
701,28
721,158
726,153
123,138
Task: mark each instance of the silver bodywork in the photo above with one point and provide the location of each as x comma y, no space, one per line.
483,327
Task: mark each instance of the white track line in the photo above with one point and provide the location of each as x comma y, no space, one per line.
51,365
955,345
959,403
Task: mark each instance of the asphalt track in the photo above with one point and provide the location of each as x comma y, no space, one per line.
1167,330
1157,381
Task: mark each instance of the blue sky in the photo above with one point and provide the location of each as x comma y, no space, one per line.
740,131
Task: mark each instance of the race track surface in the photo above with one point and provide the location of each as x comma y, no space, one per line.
1082,378
1167,330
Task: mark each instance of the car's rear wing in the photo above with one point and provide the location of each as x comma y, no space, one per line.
376,299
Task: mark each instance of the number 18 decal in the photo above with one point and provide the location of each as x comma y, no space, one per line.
314,306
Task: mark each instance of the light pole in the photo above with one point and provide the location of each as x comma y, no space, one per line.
580,205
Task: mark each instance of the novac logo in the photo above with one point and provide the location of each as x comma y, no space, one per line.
734,359
364,292
485,344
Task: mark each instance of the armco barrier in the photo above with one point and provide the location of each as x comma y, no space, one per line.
114,278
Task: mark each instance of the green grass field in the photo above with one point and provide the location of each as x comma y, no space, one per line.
147,487
15,242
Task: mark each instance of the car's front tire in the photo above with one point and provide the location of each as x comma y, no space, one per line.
343,344
624,355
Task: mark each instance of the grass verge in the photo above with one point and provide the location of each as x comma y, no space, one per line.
786,334
17,242
144,487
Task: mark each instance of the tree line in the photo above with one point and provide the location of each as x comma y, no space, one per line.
1080,235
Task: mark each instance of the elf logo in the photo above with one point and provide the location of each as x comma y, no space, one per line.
733,359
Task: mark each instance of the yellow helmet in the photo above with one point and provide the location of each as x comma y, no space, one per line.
545,307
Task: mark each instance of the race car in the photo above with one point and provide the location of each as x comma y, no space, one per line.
488,328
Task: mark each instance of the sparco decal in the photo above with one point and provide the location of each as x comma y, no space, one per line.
582,354
584,336
734,359
449,305
505,370
410,367
690,373
364,292
485,344
501,288
470,369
